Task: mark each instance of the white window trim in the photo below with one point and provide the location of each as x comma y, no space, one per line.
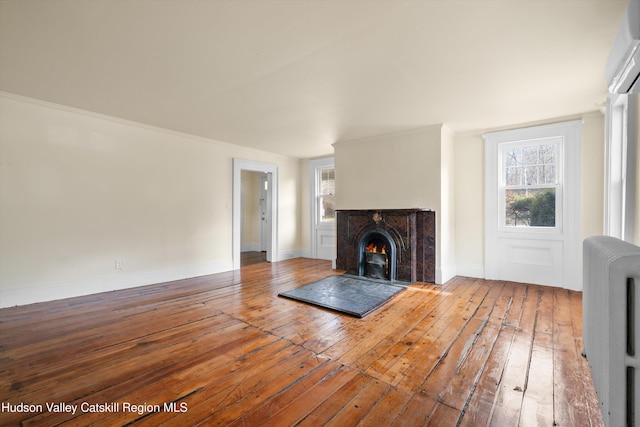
571,227
314,165
620,166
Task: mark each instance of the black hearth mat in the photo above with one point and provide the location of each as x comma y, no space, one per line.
352,295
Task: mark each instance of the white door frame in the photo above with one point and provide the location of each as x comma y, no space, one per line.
571,217
272,178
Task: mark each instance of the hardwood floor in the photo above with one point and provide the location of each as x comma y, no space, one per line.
248,258
226,350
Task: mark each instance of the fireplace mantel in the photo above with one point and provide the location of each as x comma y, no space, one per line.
413,232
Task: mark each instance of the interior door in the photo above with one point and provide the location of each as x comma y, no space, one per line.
323,225
265,213
532,215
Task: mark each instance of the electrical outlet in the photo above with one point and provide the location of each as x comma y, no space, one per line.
118,264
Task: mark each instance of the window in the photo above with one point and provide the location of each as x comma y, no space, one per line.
532,205
322,188
326,194
620,166
530,190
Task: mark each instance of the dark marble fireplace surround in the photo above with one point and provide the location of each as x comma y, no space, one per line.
411,233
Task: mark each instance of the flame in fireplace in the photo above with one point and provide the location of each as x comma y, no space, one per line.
372,247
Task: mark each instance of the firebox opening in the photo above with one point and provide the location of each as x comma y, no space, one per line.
377,256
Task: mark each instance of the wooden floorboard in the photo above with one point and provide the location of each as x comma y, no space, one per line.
226,350
249,258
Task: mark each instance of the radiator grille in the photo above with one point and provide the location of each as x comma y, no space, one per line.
611,270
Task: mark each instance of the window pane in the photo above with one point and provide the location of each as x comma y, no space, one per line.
530,208
547,154
530,155
513,176
327,181
327,208
531,175
530,165
548,174
326,194
513,157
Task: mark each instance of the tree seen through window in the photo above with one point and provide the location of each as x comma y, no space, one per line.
530,180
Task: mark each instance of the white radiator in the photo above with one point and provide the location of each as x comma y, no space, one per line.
611,326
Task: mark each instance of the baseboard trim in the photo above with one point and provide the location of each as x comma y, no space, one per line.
93,285
123,280
293,253
443,275
476,271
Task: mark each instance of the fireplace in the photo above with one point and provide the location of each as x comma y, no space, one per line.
390,244
377,255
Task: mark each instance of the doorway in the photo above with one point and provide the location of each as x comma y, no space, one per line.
256,217
269,181
532,205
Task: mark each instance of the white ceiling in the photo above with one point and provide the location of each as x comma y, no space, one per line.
295,76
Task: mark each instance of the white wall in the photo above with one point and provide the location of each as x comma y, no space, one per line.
469,202
448,228
592,174
79,191
400,170
412,169
305,208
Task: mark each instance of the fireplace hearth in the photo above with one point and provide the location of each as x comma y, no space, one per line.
387,244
